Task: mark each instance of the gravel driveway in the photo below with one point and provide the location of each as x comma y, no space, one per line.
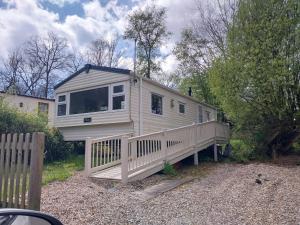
219,194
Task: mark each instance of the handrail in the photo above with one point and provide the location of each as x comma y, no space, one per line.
111,137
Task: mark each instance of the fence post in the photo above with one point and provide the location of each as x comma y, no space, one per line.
36,170
124,159
88,156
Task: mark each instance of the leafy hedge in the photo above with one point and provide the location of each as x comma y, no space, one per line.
14,121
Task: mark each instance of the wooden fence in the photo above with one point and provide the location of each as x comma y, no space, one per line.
21,165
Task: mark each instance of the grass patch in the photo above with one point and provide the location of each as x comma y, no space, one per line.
62,170
169,170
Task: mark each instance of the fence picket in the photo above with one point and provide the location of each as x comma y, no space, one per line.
25,169
18,172
6,171
2,152
12,170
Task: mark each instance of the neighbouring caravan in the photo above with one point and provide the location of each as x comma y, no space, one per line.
30,104
101,101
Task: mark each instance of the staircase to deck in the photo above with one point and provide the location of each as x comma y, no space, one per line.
127,158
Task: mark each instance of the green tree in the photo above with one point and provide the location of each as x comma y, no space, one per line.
257,80
147,27
191,53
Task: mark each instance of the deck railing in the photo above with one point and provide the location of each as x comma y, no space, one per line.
147,151
102,153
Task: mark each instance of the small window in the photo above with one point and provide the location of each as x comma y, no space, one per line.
156,104
208,115
118,89
181,108
200,114
119,102
62,98
61,110
21,104
43,107
118,97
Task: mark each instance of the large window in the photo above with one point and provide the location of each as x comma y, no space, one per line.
62,106
94,100
118,97
156,104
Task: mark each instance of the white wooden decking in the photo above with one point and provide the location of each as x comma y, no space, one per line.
126,158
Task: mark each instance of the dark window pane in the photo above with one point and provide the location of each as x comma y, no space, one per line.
61,98
200,114
61,110
181,108
118,89
89,101
156,104
119,102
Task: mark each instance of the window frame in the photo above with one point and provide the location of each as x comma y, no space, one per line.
162,104
184,109
88,89
110,99
208,115
118,94
43,103
62,103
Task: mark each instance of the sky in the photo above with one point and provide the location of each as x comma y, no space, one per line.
81,21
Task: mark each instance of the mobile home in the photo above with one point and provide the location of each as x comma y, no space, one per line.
101,101
30,104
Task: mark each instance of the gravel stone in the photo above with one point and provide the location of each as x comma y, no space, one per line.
227,194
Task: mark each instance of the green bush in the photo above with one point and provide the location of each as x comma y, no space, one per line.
169,170
14,121
55,146
241,151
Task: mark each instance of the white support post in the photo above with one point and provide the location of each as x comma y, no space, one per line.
124,159
196,162
215,147
88,156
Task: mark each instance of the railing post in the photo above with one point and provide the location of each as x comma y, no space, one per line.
124,159
36,170
215,147
196,162
164,146
88,156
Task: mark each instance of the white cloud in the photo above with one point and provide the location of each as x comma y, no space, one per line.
61,3
169,64
24,18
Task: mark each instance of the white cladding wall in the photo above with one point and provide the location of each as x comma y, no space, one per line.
80,133
29,104
171,117
91,80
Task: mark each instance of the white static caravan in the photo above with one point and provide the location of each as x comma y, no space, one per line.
30,104
101,101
